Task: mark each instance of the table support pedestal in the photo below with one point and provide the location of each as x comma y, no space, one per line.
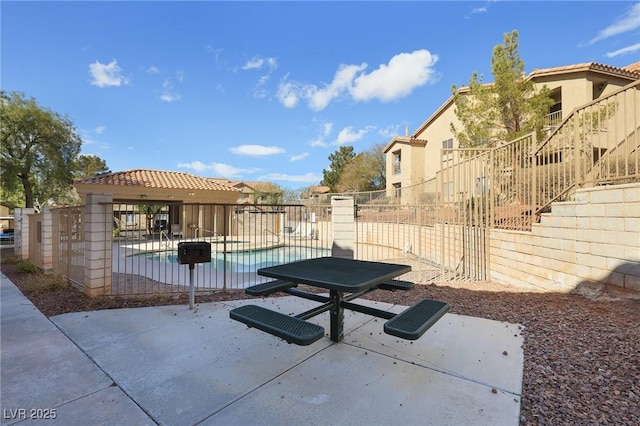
337,316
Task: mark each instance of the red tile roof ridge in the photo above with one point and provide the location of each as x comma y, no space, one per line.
629,69
156,179
635,67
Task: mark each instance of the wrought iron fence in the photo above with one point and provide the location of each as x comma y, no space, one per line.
599,143
438,226
438,243
68,243
243,238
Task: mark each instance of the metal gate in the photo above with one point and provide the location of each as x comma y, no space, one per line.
464,212
443,232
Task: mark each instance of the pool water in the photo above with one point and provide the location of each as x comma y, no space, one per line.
248,261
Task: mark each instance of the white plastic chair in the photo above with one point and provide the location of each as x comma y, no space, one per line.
176,230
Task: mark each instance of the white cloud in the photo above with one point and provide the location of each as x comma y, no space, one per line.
169,97
226,170
347,135
219,169
194,165
153,70
105,75
398,78
259,63
325,130
318,142
89,142
628,22
306,178
299,157
259,92
404,73
623,51
479,10
288,94
256,150
393,131
342,80
168,93
180,76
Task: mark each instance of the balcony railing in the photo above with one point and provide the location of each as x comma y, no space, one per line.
553,120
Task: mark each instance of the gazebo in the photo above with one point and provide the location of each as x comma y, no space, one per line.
175,200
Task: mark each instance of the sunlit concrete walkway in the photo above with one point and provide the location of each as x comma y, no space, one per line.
169,365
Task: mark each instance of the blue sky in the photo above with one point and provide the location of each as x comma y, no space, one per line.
268,90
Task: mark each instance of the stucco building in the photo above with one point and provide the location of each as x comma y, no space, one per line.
415,158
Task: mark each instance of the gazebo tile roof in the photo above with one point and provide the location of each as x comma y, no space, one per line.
157,179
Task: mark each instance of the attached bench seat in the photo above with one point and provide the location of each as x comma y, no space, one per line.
394,285
416,320
291,329
269,287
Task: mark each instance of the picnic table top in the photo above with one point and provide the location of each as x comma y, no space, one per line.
333,273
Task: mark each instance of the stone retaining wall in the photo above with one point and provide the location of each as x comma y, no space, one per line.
595,239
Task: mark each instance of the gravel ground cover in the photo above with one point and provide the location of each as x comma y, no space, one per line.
582,351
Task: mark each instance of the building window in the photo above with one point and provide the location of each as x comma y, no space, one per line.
396,163
397,189
131,219
447,144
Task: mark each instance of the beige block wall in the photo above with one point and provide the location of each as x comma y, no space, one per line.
595,239
47,239
342,219
21,232
98,244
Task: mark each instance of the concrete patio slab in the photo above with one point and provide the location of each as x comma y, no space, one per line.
187,367
44,374
173,366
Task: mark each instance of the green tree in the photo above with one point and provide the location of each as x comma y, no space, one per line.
90,165
150,211
39,148
366,172
267,193
339,161
502,111
293,194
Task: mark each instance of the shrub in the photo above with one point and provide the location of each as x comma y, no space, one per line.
57,283
26,266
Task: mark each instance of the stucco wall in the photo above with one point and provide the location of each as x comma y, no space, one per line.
595,239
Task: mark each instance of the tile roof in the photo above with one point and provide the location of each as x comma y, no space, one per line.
632,70
254,185
320,189
635,67
157,179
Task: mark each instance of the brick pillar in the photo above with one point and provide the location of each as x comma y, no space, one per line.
98,242
46,246
21,232
343,221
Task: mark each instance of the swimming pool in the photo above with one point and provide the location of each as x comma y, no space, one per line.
247,261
